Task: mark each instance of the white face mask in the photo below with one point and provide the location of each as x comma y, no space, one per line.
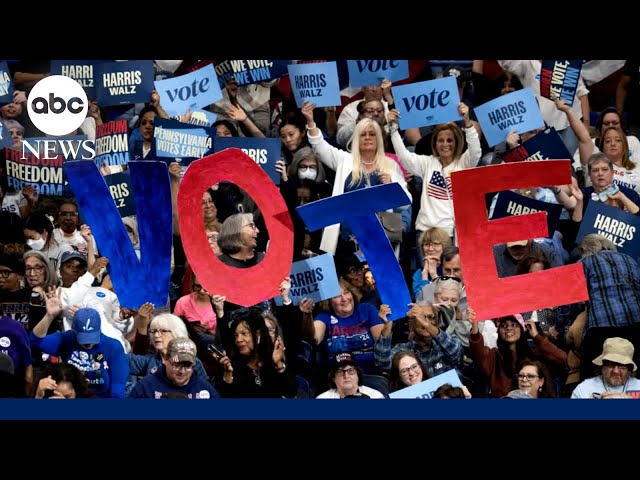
36,244
308,174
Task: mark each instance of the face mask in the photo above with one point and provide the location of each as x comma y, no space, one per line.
308,174
36,244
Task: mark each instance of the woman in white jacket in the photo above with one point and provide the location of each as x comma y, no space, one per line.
366,165
436,205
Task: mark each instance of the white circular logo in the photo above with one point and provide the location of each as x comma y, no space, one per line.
203,394
57,105
5,342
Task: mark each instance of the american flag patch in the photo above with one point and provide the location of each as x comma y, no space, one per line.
437,187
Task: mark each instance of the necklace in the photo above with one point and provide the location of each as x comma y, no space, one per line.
257,379
369,163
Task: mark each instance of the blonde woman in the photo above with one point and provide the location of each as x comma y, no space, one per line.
366,165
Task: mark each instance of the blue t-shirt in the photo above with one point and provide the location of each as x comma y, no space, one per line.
351,334
14,342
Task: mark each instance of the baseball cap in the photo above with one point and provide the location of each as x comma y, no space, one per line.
86,324
519,243
70,255
182,349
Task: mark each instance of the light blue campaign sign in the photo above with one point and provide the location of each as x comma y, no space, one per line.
251,71
182,143
120,83
517,111
82,71
120,188
6,84
316,83
189,92
264,151
358,208
314,278
202,118
613,223
427,103
5,137
427,388
363,73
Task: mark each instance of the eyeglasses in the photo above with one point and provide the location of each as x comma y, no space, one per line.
68,214
251,225
346,371
447,277
415,368
613,366
184,366
304,168
432,244
196,287
37,269
527,376
371,111
6,273
160,331
613,123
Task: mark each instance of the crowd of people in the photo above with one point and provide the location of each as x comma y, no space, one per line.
65,334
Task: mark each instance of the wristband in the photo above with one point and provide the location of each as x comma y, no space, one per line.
311,128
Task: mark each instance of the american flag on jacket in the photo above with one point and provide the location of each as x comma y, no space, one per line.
438,187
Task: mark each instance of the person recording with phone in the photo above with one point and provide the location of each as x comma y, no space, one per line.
603,189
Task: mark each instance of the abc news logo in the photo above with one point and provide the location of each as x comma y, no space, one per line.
57,105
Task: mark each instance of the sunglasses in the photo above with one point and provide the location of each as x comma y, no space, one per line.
447,277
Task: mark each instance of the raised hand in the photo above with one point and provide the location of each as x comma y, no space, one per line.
53,301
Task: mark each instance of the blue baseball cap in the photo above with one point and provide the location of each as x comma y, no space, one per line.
86,324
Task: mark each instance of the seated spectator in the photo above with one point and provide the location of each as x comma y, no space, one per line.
345,379
406,369
534,378
176,375
346,325
617,372
438,351
62,380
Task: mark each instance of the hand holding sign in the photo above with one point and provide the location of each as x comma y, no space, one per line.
382,313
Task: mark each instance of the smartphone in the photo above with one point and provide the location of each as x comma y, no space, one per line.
611,190
217,353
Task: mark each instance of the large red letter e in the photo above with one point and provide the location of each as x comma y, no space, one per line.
489,295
